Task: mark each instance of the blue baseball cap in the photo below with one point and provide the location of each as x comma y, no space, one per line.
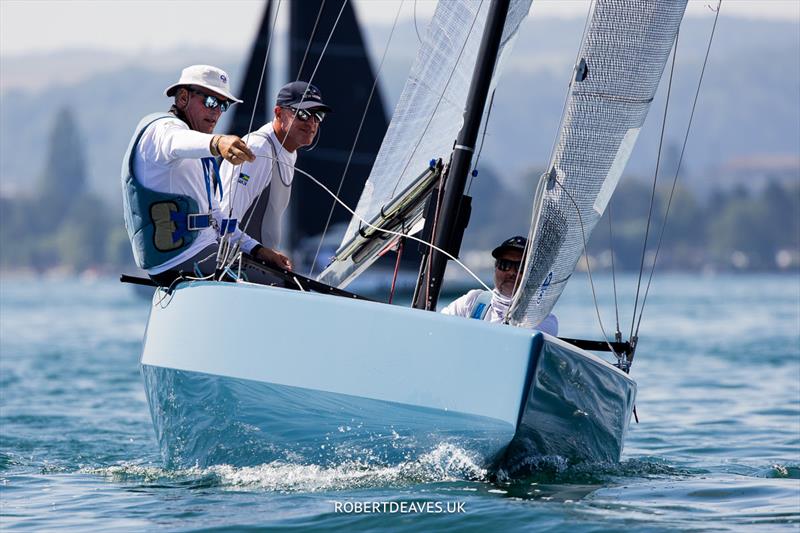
518,242
301,95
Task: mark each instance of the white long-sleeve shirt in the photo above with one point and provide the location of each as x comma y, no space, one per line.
168,159
243,183
498,307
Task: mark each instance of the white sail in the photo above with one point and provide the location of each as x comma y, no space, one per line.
621,61
430,111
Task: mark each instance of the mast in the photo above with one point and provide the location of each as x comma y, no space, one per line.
448,230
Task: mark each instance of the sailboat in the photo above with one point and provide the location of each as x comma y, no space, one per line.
320,375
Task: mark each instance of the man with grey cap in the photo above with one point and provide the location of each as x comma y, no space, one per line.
493,305
170,181
257,192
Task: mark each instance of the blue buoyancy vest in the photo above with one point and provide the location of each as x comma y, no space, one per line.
160,225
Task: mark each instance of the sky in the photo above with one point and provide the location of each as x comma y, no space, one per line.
149,25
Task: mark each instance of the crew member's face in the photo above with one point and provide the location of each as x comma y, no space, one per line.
506,271
201,117
298,132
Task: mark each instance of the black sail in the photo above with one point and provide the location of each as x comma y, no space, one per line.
250,84
345,77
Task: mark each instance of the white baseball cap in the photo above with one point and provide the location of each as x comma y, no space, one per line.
212,78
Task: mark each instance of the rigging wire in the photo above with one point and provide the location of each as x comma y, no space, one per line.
226,249
538,196
589,270
655,180
382,230
618,332
358,134
680,160
310,80
231,254
396,267
416,29
234,186
310,40
474,172
325,48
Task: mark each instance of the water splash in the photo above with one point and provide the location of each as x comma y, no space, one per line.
445,463
784,471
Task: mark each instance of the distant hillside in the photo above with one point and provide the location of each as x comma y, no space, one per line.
749,105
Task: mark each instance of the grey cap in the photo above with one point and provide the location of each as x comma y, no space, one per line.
518,242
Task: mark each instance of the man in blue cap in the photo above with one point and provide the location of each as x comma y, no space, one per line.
257,192
492,306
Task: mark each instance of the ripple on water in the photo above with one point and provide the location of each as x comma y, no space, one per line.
732,499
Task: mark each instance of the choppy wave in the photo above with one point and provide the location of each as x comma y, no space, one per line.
444,463
783,471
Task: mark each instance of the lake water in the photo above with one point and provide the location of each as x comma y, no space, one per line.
717,447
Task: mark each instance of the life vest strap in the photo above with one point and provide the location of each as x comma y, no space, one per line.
195,222
228,226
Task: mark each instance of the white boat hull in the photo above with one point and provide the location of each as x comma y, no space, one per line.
245,374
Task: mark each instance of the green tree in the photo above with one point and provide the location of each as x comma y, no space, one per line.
64,177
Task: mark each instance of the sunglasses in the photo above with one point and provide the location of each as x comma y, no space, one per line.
305,114
504,265
212,102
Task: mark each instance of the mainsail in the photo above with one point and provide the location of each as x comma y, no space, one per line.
622,57
429,113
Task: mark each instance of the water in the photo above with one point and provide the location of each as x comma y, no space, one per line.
717,447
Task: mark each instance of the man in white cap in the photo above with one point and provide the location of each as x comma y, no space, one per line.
257,192
492,306
169,181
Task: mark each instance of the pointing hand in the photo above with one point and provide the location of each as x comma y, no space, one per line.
234,149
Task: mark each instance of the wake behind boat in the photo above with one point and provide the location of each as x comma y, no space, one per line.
319,375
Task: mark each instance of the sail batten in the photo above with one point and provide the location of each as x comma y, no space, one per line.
621,61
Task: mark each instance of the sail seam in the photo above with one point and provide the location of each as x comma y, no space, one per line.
612,97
